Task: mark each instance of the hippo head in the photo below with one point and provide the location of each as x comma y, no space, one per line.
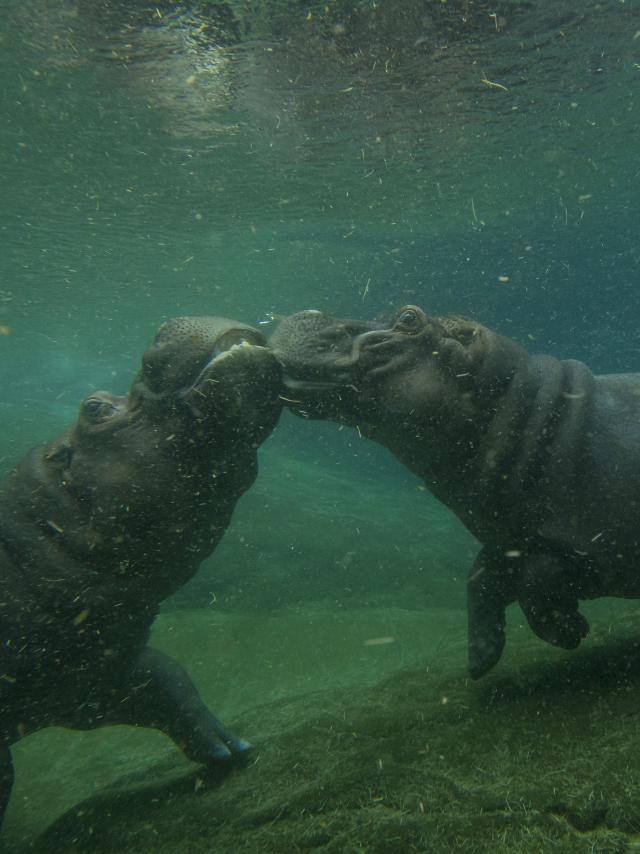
202,374
413,367
205,397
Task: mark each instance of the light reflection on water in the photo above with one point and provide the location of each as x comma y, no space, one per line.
164,158
358,109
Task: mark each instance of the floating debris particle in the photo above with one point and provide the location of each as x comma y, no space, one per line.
54,525
379,641
493,85
81,617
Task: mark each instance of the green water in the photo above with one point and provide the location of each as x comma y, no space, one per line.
251,159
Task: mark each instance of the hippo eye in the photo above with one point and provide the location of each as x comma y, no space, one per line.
95,410
409,319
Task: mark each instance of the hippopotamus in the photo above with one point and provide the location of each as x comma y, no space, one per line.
102,524
539,458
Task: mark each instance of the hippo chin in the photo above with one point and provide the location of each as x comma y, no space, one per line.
99,526
539,458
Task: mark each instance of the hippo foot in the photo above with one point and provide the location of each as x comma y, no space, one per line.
484,652
550,603
6,779
490,589
211,743
161,695
237,749
563,629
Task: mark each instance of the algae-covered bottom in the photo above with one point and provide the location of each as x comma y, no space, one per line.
405,755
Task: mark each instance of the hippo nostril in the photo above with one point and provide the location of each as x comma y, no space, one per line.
368,340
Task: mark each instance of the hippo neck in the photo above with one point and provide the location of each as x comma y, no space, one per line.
526,446
120,540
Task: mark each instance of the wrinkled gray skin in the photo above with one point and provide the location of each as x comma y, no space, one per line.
101,525
538,458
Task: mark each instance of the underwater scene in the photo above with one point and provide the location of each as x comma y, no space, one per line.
320,334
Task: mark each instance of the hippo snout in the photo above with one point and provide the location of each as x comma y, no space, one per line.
183,347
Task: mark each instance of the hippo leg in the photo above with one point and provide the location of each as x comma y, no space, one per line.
549,601
491,586
6,778
160,694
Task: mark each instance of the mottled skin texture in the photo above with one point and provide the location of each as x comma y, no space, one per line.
101,525
539,458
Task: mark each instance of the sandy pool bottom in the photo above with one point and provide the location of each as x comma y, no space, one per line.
369,737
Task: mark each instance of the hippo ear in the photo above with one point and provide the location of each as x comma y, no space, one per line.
460,328
59,453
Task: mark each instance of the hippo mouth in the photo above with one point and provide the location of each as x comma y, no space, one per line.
200,360
301,382
232,345
239,384
366,357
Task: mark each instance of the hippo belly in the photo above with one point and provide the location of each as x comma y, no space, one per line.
597,512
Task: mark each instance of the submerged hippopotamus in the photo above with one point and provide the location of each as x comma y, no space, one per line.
538,458
99,526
